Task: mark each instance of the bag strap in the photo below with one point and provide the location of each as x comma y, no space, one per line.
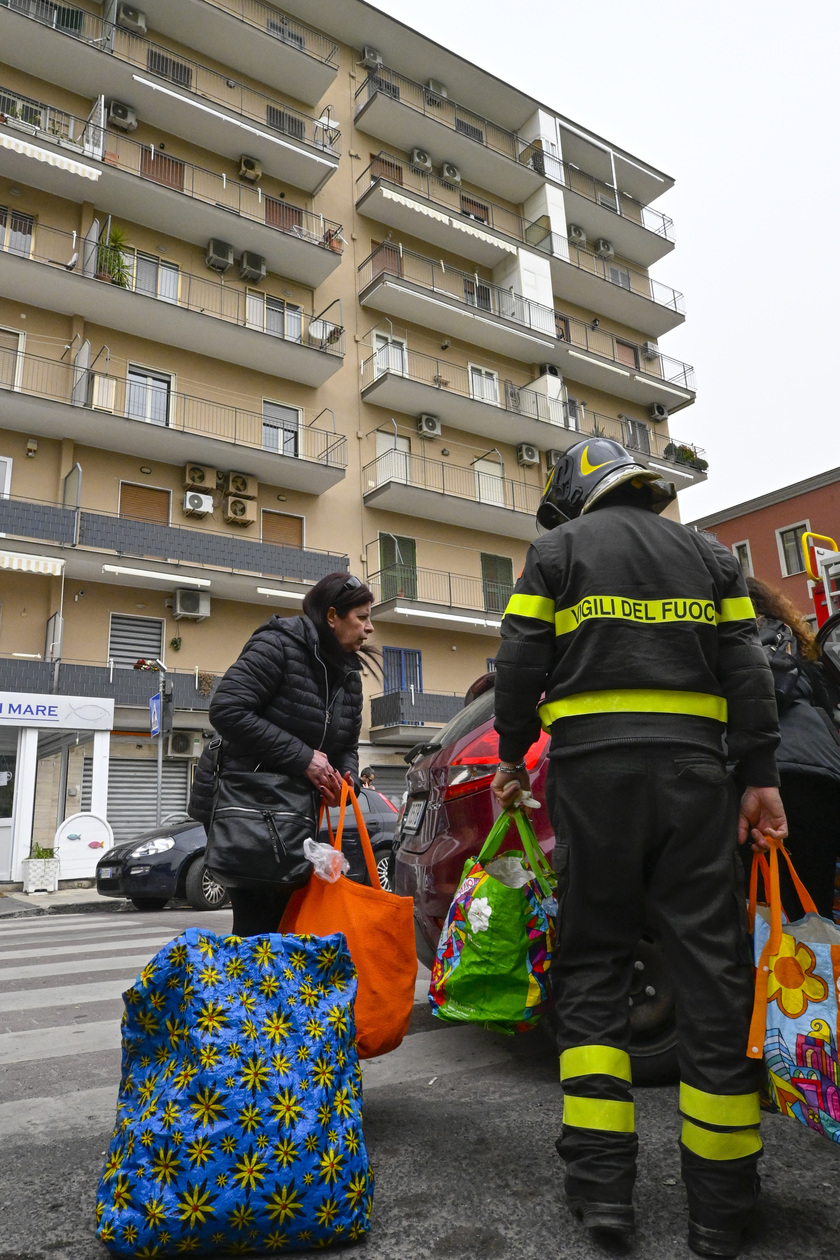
347,793
537,861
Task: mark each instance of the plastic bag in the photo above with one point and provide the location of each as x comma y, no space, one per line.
509,870
329,863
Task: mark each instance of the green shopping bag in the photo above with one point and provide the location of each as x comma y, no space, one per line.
494,953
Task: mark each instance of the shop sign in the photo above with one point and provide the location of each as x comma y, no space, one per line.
75,713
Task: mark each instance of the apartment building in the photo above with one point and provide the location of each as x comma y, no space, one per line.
284,291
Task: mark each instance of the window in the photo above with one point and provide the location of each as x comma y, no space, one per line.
474,209
497,580
637,435
144,503
382,167
392,457
608,200
157,62
741,552
561,327
5,476
627,353
285,121
402,669
156,278
469,129
280,215
282,528
385,258
484,384
11,359
16,231
147,395
380,82
571,413
390,354
618,275
135,638
60,16
489,481
791,556
477,293
273,315
161,168
398,566
281,428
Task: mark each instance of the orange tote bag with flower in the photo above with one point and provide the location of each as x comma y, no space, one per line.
379,927
795,1017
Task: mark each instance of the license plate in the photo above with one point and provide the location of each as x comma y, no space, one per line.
108,872
413,814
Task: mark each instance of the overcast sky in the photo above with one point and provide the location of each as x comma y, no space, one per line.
739,101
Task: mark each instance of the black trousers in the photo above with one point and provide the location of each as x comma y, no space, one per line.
255,912
646,835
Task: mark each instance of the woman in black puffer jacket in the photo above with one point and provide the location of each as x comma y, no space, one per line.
293,702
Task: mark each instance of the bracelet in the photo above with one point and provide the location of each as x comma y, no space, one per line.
512,769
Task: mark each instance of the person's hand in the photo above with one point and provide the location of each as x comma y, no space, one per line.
508,789
761,813
324,777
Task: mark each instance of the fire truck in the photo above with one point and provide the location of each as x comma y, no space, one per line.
822,562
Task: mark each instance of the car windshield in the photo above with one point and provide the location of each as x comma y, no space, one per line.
475,714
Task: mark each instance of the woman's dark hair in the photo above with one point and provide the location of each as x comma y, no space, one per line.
768,602
343,592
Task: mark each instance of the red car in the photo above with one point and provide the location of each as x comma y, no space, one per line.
447,814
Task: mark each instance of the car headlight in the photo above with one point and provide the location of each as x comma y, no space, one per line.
152,846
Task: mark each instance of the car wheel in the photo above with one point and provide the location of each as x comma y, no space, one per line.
203,891
149,903
382,858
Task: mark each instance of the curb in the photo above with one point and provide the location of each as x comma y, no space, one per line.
80,907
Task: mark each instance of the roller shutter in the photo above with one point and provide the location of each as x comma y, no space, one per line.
132,792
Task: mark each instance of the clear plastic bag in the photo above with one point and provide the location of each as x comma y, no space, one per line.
509,870
329,864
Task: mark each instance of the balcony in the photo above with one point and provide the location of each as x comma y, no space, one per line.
636,230
409,596
614,288
405,717
423,291
49,398
89,56
58,270
295,59
405,114
127,687
233,565
393,192
161,191
636,371
412,485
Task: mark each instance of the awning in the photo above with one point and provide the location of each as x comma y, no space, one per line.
22,562
482,236
46,155
446,219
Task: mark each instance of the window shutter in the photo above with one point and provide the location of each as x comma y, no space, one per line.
143,503
135,638
280,527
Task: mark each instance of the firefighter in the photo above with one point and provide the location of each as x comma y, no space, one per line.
633,641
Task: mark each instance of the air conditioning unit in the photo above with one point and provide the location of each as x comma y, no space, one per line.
371,59
219,255
420,160
102,392
604,248
428,426
122,116
185,744
450,173
250,169
200,477
658,411
241,485
513,402
650,351
197,504
549,369
190,605
251,266
576,235
131,19
239,511
527,456
552,457
434,88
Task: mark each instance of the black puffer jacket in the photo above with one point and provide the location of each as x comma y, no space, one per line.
278,703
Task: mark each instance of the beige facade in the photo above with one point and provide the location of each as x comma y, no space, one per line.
382,303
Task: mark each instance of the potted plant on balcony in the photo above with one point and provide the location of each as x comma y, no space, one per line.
40,870
111,262
23,118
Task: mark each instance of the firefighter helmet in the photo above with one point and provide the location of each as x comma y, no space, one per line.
591,470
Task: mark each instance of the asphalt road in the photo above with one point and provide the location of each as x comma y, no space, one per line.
460,1123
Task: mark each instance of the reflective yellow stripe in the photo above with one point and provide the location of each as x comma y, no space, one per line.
643,611
538,607
598,1113
710,1145
740,609
736,1110
690,703
589,1060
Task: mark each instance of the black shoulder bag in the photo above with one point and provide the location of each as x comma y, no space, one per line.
259,822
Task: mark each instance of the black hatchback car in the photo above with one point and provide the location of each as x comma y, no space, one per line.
168,861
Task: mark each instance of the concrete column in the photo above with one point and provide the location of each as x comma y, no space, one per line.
24,807
99,780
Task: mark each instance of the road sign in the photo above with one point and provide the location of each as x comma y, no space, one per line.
154,714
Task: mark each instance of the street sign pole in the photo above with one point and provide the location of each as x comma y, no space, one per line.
156,724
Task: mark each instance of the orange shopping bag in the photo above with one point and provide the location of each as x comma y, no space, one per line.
379,927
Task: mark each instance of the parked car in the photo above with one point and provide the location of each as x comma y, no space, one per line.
168,861
447,815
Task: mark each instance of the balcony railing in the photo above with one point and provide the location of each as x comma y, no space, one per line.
268,20
189,76
430,586
639,357
115,395
443,110
472,207
462,286
193,688
623,275
165,282
593,189
414,708
443,478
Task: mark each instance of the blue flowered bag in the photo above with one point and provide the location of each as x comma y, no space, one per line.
239,1119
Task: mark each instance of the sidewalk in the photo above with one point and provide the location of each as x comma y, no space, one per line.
21,905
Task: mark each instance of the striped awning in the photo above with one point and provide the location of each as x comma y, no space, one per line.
47,155
23,562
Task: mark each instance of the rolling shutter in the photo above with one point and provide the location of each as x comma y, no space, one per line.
144,503
132,792
134,638
279,527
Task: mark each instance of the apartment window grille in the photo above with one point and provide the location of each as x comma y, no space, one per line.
474,209
637,435
618,275
402,669
10,357
497,582
156,278
282,529
627,353
161,168
484,384
283,120
398,566
134,638
144,503
790,549
16,231
741,551
478,294
281,428
165,67
147,395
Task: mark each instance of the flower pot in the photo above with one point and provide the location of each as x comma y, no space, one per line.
40,874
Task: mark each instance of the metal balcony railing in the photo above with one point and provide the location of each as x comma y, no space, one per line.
593,189
431,586
414,708
473,208
135,272
115,395
193,687
268,20
622,274
464,287
190,76
631,356
443,478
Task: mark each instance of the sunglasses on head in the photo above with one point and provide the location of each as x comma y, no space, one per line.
351,584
